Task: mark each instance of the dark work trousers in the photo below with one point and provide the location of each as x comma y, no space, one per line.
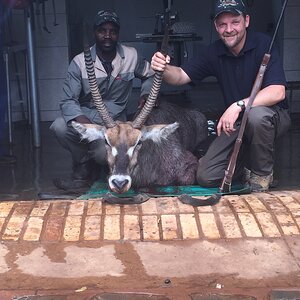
264,125
81,151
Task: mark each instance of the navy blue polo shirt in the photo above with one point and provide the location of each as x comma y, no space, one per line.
236,74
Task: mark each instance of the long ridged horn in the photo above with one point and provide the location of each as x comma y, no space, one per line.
139,121
97,99
141,118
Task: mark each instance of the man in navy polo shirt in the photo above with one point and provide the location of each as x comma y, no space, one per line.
234,60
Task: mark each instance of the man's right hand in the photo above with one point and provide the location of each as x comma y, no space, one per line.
159,61
83,120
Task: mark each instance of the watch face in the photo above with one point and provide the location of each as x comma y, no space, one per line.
240,103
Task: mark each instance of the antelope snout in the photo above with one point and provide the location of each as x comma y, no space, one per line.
119,183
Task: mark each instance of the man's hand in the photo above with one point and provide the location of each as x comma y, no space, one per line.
228,119
159,61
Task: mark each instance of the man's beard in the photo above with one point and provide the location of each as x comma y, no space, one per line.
234,41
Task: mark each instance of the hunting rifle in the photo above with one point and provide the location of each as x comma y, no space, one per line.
225,187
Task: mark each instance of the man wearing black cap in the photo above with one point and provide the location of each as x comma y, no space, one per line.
116,66
234,60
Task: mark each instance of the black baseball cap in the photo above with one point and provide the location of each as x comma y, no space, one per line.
104,16
236,7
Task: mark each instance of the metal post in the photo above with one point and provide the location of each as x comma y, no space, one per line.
9,111
34,107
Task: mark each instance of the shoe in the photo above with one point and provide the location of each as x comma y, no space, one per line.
246,176
71,185
81,171
260,183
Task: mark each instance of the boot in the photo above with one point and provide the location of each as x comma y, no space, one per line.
80,179
260,183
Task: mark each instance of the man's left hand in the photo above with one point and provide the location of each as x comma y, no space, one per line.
228,119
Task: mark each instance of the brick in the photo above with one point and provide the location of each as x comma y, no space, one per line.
274,203
40,209
150,228
296,215
92,228
230,226
204,209
287,224
72,228
76,208
2,220
13,228
131,227
94,208
189,226
209,226
185,208
53,229
5,208
34,229
290,203
131,209
238,204
267,224
149,207
59,208
22,209
249,225
169,227
166,206
223,206
112,209
295,195
112,227
255,203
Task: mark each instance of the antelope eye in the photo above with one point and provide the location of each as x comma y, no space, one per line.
106,142
139,142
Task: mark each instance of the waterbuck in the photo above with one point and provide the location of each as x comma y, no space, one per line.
155,149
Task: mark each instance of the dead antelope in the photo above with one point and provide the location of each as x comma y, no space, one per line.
156,154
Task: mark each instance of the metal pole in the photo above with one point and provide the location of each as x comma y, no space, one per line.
9,111
34,107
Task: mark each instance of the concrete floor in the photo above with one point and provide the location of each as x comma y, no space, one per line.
246,247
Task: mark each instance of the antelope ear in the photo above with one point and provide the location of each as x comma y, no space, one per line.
158,132
90,132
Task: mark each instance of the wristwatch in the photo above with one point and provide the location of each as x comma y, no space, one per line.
241,104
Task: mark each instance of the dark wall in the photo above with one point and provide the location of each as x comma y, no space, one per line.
138,16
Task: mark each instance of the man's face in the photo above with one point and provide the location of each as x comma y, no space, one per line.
106,36
232,30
